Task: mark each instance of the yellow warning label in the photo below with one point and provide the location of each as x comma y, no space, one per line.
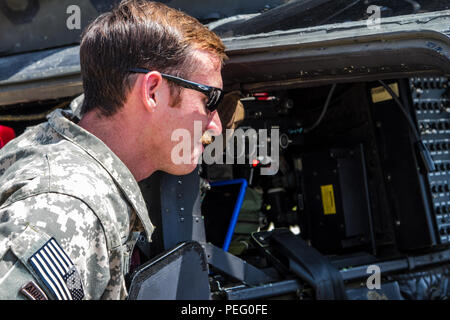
329,207
380,94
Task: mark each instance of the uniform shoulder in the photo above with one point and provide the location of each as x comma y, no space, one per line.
78,239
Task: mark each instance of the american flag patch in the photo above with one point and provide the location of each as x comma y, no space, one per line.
57,271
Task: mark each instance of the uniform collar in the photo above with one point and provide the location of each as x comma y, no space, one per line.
62,122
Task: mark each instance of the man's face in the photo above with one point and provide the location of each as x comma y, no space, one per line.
183,125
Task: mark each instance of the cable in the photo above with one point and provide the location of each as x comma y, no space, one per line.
402,109
325,107
423,150
338,13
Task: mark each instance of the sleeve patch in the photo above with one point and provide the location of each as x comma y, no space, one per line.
57,271
33,292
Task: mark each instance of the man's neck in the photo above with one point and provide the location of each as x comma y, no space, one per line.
114,132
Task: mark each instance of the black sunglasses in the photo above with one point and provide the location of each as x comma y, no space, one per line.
214,94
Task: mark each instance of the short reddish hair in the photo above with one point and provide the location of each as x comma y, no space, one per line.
138,33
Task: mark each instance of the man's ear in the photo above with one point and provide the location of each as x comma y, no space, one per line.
150,84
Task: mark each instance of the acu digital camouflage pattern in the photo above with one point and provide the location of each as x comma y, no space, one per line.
57,180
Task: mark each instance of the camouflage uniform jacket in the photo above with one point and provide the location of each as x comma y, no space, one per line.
59,181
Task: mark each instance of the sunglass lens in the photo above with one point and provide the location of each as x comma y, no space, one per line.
214,100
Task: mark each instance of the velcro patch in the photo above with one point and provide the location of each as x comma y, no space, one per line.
57,271
33,292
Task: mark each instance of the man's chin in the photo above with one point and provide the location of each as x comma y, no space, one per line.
186,168
182,169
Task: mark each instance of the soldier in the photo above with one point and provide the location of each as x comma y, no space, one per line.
70,205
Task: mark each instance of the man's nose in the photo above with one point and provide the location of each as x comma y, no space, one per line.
215,125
